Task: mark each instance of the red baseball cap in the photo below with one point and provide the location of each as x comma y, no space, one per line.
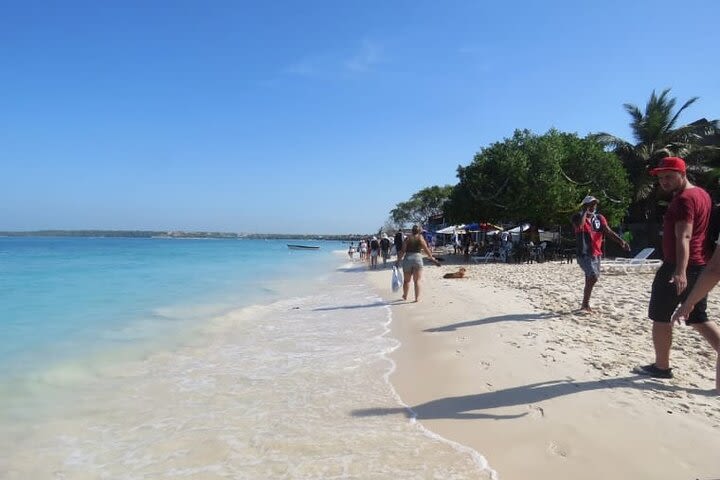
669,164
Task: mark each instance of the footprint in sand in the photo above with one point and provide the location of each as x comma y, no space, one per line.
536,412
558,450
548,357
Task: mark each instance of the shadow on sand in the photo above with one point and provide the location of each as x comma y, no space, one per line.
353,307
471,406
529,317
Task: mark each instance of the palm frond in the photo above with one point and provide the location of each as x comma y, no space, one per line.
644,189
677,114
608,140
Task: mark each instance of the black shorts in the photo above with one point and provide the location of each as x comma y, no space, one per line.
664,300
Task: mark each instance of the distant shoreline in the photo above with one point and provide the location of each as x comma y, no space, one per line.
179,234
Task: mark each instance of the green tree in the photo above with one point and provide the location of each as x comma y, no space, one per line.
422,205
656,136
538,178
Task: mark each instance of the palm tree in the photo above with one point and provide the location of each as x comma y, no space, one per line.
656,137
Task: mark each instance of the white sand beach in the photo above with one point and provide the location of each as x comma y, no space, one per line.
499,361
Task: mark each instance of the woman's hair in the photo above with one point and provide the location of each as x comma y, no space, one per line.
415,229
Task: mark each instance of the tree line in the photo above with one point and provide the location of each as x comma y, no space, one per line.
542,178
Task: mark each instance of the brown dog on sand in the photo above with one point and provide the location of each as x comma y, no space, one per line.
459,274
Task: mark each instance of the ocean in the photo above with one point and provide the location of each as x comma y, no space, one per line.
203,359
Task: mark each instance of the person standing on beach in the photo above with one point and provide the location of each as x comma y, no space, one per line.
385,248
363,249
412,260
590,228
684,257
467,241
398,242
374,252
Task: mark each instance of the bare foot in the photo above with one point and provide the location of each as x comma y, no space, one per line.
586,310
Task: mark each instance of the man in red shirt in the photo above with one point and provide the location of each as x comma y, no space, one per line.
684,258
590,228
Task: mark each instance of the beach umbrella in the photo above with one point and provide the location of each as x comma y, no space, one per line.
452,229
520,228
489,227
448,230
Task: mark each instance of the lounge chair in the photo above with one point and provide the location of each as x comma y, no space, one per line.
638,263
489,255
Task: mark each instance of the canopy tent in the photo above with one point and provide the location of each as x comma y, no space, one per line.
513,231
520,228
489,227
471,227
460,229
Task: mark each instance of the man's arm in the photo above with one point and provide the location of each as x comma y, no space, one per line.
617,238
683,233
426,249
577,219
706,282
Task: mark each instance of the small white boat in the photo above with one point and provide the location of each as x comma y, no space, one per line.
302,247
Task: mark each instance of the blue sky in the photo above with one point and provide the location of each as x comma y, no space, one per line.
309,116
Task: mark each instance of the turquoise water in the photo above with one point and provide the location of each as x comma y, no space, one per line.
61,298
203,359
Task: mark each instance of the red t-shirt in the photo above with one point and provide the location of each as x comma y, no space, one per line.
692,205
590,235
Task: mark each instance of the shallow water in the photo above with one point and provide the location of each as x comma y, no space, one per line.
276,388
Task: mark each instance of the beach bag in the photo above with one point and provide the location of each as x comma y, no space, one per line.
396,279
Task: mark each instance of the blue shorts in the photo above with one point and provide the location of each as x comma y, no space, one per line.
590,265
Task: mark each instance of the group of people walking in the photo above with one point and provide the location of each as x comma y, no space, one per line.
688,272
370,249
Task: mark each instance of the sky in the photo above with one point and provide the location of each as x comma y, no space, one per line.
309,116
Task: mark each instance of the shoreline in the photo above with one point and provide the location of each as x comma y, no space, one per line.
288,388
499,362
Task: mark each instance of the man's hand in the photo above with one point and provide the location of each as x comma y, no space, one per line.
625,245
680,281
682,314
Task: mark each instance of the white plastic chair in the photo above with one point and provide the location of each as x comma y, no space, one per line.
639,262
490,255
